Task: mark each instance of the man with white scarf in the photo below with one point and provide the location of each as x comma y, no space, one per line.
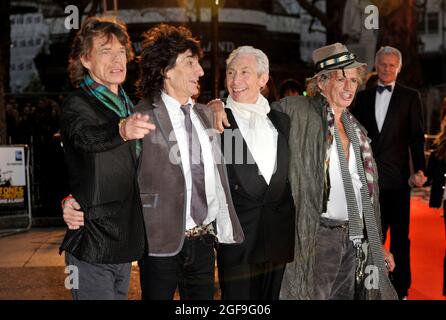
338,249
256,155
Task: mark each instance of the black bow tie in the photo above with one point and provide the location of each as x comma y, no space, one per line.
380,89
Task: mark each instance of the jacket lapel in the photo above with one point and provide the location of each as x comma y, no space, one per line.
367,116
212,134
160,117
278,179
391,116
248,175
372,115
198,108
163,123
392,111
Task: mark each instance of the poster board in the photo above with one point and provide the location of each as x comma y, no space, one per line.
12,177
15,194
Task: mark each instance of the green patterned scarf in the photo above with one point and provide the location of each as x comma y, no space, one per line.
119,104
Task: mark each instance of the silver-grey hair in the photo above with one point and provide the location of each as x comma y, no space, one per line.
389,50
261,58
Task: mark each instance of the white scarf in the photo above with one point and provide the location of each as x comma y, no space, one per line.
258,132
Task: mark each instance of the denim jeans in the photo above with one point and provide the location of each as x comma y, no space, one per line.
335,262
99,281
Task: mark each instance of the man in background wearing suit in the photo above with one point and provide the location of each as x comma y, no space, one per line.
392,115
257,164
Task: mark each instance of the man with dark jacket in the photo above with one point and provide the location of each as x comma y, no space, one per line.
392,115
102,162
256,157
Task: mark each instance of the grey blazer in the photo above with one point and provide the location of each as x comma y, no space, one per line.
162,185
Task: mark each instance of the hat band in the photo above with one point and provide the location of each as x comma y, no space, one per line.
335,61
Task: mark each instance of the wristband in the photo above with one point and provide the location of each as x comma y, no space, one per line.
121,123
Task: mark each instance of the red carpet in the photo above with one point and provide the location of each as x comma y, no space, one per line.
427,237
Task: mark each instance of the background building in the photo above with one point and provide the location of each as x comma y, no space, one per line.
274,26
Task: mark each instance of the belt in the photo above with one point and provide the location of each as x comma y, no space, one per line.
199,231
333,223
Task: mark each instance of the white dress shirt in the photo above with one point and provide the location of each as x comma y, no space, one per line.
214,190
337,203
382,101
259,133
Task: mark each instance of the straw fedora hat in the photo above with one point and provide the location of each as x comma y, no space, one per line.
335,57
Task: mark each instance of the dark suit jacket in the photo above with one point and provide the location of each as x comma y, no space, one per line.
266,212
163,188
102,176
402,131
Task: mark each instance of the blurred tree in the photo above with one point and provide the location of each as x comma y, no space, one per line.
331,19
5,43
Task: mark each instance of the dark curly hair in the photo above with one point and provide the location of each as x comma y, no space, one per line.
160,48
83,43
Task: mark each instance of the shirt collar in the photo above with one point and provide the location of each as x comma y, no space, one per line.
392,84
174,102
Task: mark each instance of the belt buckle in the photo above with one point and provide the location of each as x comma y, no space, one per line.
194,232
199,231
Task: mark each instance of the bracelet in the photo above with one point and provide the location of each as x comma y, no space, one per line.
62,203
121,123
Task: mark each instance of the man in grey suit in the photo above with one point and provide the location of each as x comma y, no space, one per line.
183,183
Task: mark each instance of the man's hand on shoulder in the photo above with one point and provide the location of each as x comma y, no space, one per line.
220,117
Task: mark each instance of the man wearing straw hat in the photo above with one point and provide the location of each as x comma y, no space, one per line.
338,250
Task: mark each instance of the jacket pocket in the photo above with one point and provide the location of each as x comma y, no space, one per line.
149,200
104,210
